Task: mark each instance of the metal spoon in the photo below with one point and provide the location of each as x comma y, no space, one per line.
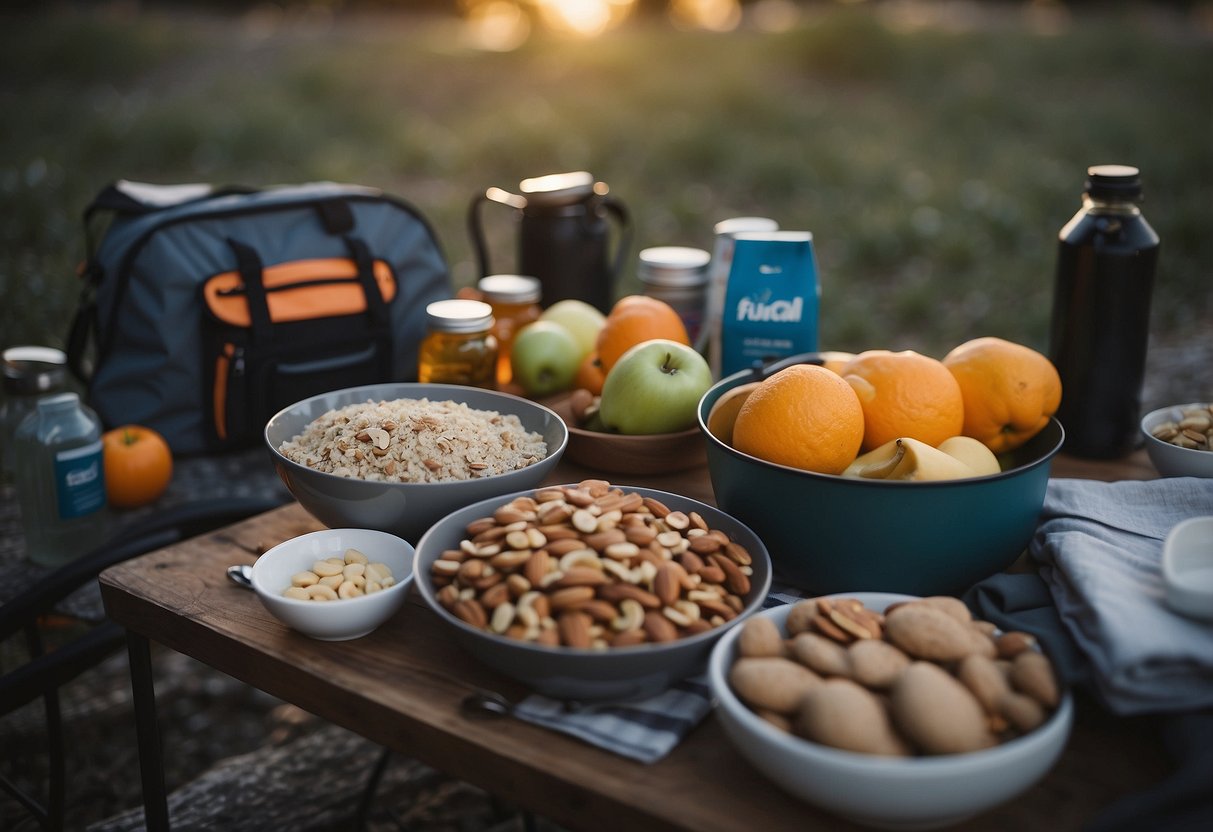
486,703
241,575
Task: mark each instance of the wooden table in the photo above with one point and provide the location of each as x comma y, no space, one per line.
402,686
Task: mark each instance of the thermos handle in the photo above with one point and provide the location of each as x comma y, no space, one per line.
619,211
476,232
476,225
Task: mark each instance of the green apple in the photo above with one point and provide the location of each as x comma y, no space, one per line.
654,387
544,358
579,318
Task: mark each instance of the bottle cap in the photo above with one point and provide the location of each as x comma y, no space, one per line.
1113,182
673,266
30,370
459,316
510,288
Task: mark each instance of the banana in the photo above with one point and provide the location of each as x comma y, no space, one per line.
723,414
909,459
972,452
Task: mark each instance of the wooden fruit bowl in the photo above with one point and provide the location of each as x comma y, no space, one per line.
618,454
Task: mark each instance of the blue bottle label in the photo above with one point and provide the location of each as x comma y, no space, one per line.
79,481
771,299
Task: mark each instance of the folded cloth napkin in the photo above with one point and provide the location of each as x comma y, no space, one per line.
644,730
1099,549
1179,802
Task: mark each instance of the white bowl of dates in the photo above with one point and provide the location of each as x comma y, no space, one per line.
589,591
1179,439
891,710
335,584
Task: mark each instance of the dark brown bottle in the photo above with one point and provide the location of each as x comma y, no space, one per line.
1101,314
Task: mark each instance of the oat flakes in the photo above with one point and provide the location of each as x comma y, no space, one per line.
415,440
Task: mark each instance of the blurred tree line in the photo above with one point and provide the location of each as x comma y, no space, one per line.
453,6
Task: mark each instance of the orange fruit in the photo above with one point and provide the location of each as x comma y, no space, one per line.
905,394
834,361
590,375
1009,391
805,417
138,465
633,320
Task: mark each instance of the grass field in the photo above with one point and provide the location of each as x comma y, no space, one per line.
933,164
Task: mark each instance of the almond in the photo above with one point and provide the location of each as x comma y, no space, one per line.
821,655
581,576
562,598
736,580
574,627
618,592
801,616
876,664
470,611
667,584
936,712
984,680
927,632
842,714
1032,673
658,628
1022,711
772,684
760,637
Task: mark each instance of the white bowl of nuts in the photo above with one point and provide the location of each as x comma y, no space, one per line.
589,591
335,584
890,710
1179,439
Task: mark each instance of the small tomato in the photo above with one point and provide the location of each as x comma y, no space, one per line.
138,465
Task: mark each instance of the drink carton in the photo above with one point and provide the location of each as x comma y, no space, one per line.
771,299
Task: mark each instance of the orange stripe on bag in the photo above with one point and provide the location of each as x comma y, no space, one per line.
222,365
298,291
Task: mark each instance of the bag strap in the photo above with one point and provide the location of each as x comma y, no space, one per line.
249,264
82,335
376,306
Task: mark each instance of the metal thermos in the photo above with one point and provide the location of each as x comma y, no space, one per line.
564,231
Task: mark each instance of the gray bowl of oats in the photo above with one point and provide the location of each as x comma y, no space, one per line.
398,457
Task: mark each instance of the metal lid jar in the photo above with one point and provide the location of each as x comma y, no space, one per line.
459,347
677,275
515,301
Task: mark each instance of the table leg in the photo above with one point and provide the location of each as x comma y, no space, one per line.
151,762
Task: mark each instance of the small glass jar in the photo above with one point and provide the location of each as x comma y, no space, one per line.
460,347
29,374
515,302
677,275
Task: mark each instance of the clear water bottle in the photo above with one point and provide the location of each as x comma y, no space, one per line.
61,480
1101,314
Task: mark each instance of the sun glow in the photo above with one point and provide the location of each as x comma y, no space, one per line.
506,24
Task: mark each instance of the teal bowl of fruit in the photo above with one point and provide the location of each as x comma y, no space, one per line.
829,533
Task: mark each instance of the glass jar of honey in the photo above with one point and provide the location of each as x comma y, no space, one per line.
459,347
515,302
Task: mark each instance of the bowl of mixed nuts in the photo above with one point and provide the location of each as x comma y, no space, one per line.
1179,439
591,591
890,710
